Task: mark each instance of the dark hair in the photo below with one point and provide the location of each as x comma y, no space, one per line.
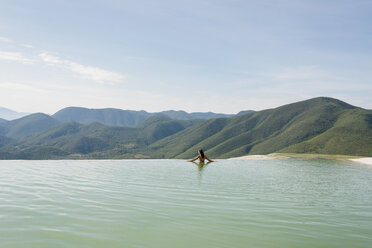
201,153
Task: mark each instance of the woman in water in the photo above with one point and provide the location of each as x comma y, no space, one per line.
201,157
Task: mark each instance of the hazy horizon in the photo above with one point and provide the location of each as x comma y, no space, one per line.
51,113
196,56
22,112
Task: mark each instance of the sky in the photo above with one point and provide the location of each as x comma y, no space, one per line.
194,55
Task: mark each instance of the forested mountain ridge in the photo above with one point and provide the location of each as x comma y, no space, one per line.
126,118
319,125
95,140
290,128
30,124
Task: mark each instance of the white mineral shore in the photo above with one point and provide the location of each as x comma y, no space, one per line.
260,157
365,160
362,160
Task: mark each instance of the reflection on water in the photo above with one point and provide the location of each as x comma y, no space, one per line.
162,203
201,165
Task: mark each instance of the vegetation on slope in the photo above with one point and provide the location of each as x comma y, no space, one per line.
125,118
272,130
109,116
351,135
319,125
30,124
93,140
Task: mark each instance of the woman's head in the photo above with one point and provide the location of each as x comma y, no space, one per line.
201,153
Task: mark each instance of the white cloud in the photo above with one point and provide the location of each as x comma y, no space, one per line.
4,39
27,46
50,58
15,56
96,74
23,87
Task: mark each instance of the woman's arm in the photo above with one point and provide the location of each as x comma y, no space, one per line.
208,159
192,160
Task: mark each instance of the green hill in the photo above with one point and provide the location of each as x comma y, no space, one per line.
27,125
108,116
351,134
125,118
282,129
182,115
4,140
319,125
92,140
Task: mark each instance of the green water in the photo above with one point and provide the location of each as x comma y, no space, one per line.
172,203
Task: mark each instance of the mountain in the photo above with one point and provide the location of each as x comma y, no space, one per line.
27,125
2,120
182,115
245,112
4,140
108,116
94,140
319,125
126,118
350,134
9,114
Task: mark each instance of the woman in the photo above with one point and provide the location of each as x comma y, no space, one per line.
201,157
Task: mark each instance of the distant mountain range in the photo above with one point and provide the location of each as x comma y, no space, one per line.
75,140
30,124
318,125
111,116
125,118
8,114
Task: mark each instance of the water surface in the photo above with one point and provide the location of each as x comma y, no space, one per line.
172,203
